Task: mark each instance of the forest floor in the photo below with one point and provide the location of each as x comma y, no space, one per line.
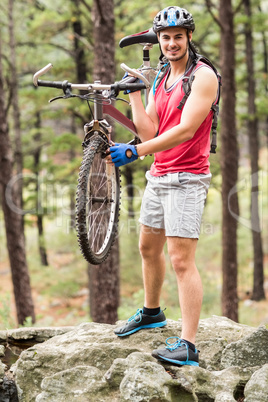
60,311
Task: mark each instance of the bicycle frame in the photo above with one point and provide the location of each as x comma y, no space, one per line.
100,108
98,188
146,38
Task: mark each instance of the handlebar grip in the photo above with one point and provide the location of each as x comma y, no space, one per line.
54,84
129,86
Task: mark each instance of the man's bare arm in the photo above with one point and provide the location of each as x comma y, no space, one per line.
146,121
196,109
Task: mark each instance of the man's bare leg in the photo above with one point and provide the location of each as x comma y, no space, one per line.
182,254
152,242
153,262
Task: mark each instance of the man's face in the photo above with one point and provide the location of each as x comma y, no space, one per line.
174,42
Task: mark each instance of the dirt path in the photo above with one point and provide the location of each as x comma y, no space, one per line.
65,311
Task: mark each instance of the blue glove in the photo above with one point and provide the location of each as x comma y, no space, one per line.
132,80
119,154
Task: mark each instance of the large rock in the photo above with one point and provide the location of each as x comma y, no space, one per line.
3,336
8,389
256,389
90,363
2,350
34,334
249,351
81,382
2,371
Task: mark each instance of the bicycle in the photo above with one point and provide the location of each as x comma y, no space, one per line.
98,189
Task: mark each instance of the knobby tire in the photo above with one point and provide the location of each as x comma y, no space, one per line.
97,204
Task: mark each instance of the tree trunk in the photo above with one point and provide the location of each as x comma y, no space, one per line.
71,225
104,279
128,173
265,71
258,283
39,207
11,204
41,241
104,48
80,60
229,163
81,77
18,158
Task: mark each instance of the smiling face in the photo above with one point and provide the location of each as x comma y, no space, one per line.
174,43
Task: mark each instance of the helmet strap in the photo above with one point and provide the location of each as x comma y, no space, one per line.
190,45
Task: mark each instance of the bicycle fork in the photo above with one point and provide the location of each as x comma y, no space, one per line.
99,126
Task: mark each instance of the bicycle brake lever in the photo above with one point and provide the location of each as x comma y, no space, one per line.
67,91
61,97
120,99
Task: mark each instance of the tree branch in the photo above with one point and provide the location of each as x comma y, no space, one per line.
210,7
88,44
238,7
80,116
70,52
98,5
32,44
86,5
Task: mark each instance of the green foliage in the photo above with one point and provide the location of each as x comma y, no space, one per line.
6,319
65,142
64,288
28,322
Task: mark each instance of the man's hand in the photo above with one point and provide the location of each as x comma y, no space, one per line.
130,79
122,154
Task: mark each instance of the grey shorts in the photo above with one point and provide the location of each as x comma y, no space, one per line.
175,202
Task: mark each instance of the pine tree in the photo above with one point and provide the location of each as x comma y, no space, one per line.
11,204
104,279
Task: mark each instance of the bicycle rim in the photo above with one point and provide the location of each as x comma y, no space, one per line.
97,204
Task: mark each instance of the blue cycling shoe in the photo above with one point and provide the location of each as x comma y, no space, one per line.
141,321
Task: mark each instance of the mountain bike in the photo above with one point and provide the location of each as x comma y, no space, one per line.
98,189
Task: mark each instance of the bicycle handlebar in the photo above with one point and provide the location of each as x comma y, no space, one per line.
64,85
117,86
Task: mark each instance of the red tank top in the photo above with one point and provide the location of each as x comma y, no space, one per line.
190,156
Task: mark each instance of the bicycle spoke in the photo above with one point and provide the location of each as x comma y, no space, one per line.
96,220
97,232
99,195
101,184
92,223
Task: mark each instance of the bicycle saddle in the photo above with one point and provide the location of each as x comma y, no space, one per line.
145,37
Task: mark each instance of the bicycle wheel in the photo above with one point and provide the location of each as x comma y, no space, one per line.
97,204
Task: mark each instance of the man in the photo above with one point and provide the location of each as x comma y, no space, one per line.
177,185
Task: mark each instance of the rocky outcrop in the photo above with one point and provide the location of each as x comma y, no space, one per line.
32,334
12,342
89,363
257,386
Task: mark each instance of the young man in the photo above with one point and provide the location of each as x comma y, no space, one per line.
177,185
